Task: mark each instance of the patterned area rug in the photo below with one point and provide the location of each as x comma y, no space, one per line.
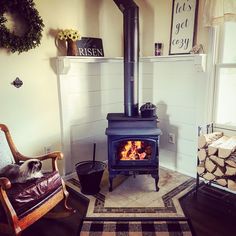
135,228
136,197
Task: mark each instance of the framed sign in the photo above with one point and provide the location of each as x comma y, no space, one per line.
90,47
184,14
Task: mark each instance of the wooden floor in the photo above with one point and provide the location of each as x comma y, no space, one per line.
212,213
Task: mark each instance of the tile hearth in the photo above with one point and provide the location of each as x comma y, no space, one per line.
136,197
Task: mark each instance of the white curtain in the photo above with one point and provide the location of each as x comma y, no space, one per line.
219,11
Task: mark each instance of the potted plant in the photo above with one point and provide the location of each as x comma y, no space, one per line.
70,36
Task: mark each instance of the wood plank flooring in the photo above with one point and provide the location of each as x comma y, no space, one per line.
212,212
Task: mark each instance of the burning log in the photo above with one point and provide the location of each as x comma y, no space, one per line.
134,150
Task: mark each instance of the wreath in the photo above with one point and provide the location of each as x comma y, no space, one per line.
32,23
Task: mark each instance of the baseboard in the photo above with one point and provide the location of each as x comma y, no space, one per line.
69,176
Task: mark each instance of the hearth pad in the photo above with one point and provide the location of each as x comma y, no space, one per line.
135,197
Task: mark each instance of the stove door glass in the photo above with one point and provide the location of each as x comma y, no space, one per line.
134,150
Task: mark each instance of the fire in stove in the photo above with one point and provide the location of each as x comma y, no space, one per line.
134,150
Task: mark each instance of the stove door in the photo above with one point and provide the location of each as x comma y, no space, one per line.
134,151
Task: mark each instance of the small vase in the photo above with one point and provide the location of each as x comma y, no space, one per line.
72,49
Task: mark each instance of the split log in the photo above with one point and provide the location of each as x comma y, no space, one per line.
210,166
209,176
217,160
222,182
206,139
217,156
231,161
213,148
202,154
227,148
201,169
219,172
231,185
230,171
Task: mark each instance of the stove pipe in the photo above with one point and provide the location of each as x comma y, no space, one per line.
131,55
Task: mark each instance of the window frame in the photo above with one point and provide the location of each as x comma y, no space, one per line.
218,41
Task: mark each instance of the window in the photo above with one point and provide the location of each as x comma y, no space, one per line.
224,114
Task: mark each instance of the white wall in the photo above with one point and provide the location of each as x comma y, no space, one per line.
179,95
32,112
90,89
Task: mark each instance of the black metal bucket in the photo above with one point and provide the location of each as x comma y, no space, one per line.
90,175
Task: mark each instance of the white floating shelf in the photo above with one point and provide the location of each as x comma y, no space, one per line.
64,63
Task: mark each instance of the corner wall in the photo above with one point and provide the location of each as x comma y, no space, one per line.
32,111
89,89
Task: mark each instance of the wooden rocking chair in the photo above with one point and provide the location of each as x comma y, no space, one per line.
21,204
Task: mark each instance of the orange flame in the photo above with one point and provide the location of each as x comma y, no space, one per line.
131,151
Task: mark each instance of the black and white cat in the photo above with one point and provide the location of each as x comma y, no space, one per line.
30,169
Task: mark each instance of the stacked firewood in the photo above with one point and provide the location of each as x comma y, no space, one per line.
217,159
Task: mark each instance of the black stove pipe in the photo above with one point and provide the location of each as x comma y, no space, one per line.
131,55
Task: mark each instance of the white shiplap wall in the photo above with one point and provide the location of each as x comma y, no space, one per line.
179,95
89,88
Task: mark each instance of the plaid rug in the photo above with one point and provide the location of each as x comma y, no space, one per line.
135,228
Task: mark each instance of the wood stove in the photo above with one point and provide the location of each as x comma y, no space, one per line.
133,141
133,146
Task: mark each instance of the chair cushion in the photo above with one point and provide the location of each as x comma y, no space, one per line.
25,196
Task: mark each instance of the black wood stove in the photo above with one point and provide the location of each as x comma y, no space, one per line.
133,146
133,140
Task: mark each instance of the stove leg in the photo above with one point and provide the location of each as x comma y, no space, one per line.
110,181
156,183
156,177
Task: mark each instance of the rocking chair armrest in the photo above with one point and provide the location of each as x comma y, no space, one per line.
54,156
5,183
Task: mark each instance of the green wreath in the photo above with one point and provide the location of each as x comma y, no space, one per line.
33,25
